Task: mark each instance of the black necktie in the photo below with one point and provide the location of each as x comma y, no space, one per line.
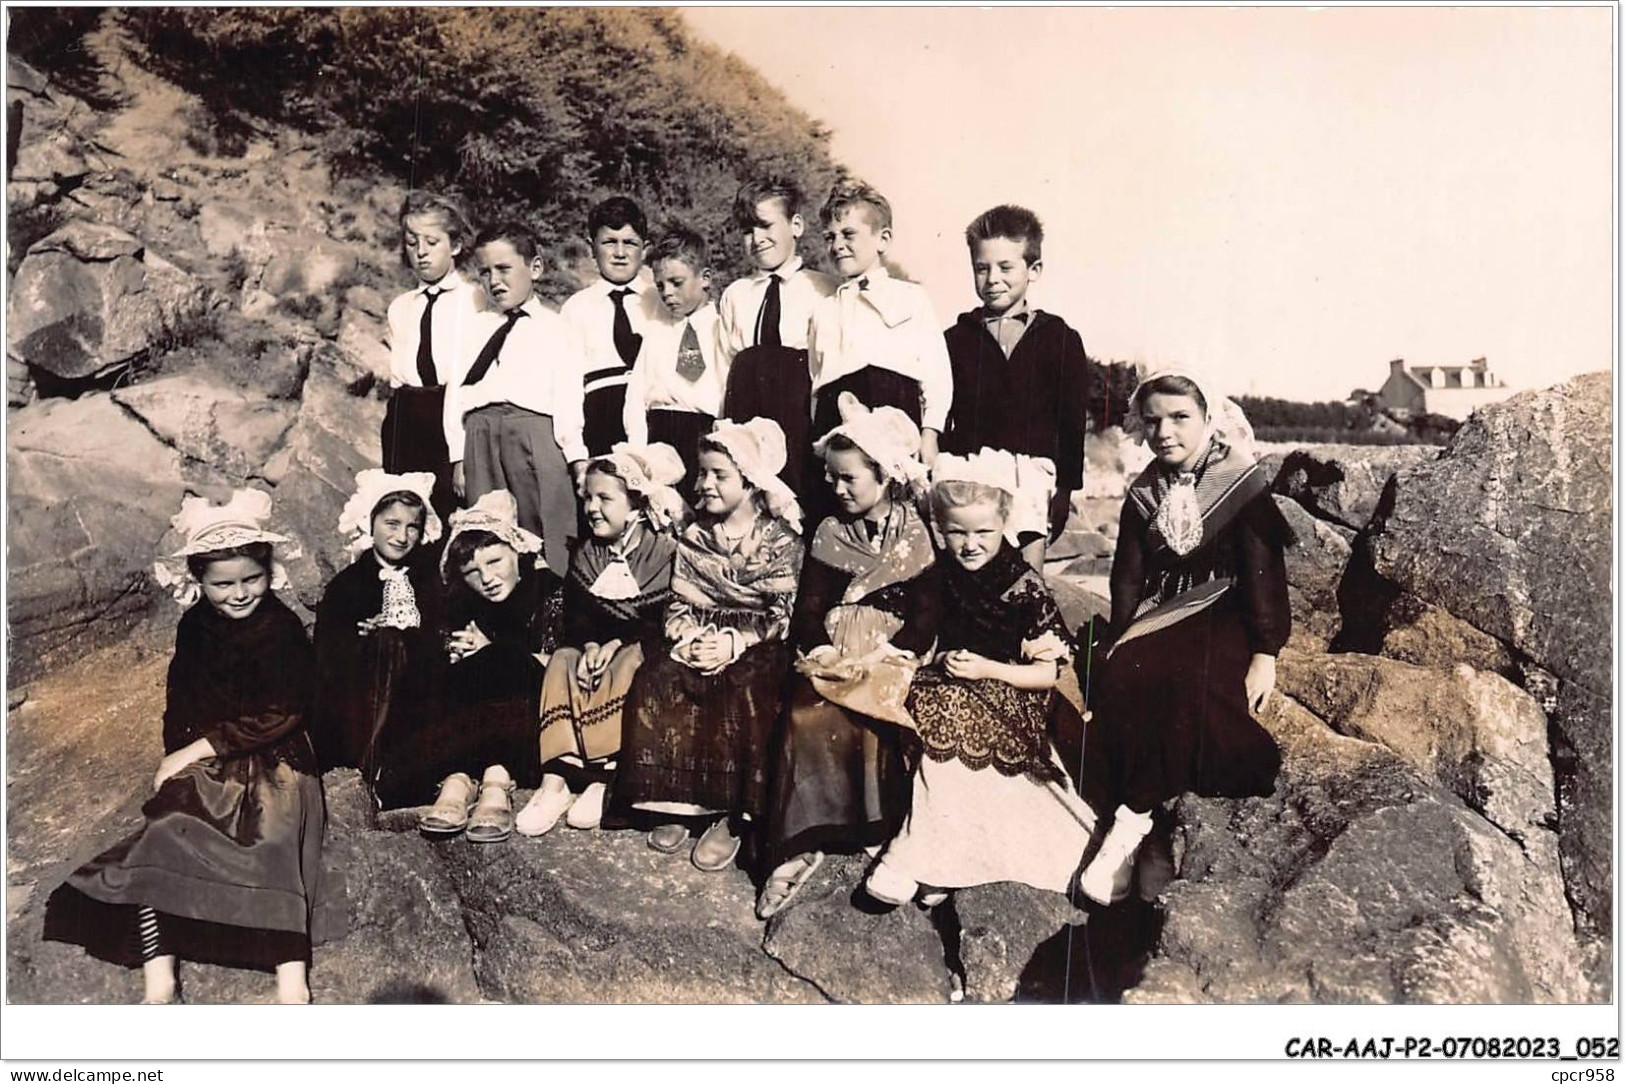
626,340
492,347
426,372
767,319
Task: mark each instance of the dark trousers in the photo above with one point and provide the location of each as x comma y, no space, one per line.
683,430
414,439
509,447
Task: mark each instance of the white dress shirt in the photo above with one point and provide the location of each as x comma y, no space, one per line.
461,301
591,312
538,368
890,325
800,290
656,384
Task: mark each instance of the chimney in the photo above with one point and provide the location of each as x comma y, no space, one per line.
1478,365
1396,366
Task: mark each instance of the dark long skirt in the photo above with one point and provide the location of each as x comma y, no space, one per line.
1171,718
414,439
682,429
230,858
492,716
701,739
772,382
839,781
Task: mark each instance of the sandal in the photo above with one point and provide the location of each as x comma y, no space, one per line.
716,848
932,897
668,838
492,819
449,814
782,888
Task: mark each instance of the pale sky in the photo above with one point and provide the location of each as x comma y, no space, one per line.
1286,198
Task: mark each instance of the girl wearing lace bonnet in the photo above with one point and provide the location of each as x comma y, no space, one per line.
698,716
865,616
991,799
1199,574
226,867
500,625
378,666
615,598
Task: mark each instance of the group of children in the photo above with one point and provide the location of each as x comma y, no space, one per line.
629,614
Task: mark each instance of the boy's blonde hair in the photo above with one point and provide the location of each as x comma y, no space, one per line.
754,193
447,210
962,494
855,193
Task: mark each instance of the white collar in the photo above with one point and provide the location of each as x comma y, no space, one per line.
637,285
451,280
786,270
877,275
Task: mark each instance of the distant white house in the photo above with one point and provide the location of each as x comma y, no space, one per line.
1452,390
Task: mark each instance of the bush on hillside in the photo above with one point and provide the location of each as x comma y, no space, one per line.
535,111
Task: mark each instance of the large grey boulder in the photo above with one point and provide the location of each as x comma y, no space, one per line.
90,491
1511,531
334,436
90,298
1314,570
1343,482
209,422
1359,881
1477,733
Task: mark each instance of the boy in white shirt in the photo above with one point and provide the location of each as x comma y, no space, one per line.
877,336
513,414
764,319
611,317
674,394
426,323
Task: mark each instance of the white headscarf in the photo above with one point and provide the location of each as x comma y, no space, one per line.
1225,420
208,528
757,449
371,486
498,513
651,470
886,435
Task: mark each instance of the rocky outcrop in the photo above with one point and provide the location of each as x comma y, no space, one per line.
1511,532
89,299
1478,734
1314,569
599,918
334,436
209,423
1337,889
90,492
852,955
1342,483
